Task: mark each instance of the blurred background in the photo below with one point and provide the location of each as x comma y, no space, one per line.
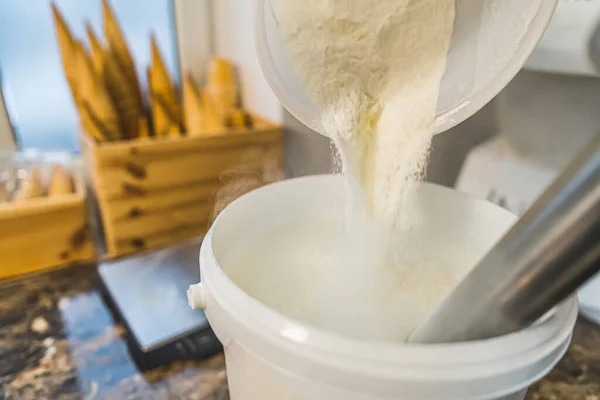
35,91
551,100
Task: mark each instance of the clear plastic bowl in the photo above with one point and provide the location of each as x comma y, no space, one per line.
492,39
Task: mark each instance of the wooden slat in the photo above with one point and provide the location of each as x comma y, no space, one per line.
160,201
40,258
148,149
43,240
148,225
39,221
38,206
137,179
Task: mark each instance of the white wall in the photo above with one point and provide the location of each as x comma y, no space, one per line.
193,23
549,117
234,38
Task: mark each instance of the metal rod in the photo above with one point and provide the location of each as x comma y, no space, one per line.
551,251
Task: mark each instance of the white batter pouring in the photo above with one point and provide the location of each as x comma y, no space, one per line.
374,69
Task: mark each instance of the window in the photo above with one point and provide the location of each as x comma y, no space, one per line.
36,92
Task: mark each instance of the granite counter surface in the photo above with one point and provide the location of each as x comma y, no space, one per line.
59,340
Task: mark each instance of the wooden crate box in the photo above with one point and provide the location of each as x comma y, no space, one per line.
153,192
44,232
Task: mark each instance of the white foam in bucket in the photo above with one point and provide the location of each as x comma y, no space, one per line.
271,356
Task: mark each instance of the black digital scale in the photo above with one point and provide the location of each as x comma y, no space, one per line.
148,293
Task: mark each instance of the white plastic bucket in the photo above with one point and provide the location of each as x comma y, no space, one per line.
492,40
271,356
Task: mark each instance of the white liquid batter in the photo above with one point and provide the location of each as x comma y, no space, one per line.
305,271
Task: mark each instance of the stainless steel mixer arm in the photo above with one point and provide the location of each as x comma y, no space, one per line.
552,250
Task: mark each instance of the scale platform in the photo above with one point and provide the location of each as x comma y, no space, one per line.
148,293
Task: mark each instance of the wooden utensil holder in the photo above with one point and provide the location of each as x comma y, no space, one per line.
44,232
156,191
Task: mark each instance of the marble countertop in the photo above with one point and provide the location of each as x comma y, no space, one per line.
58,340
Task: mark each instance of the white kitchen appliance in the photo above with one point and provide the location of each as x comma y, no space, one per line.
544,117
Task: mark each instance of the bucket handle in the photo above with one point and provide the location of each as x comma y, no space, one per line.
196,296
